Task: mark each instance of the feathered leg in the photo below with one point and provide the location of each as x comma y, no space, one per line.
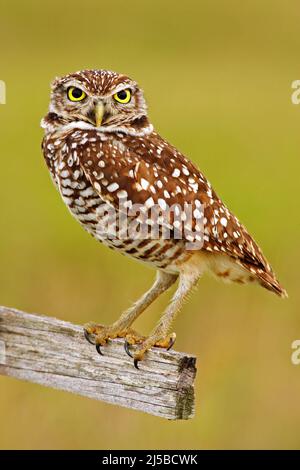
99,334
159,336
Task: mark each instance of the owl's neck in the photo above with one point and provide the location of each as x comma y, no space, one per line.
138,127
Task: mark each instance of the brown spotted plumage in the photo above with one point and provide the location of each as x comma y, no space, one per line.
105,158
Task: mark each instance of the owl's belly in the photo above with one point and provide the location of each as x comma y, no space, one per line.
104,223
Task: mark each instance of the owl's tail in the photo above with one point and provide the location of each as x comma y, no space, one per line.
269,281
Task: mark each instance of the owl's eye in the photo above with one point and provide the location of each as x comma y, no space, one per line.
75,94
123,96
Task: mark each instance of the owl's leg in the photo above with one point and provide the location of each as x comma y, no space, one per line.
159,336
120,328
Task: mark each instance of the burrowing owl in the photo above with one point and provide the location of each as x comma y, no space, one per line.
105,159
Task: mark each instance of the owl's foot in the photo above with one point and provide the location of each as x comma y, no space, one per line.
147,343
99,335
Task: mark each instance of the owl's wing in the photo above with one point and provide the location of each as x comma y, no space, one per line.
129,173
148,171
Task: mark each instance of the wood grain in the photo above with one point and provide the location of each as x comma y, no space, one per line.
55,353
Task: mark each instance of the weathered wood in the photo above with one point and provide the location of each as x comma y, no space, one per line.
55,353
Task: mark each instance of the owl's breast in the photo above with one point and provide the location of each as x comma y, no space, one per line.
100,218
75,189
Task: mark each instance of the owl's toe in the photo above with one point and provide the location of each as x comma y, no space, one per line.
92,331
99,335
152,341
132,337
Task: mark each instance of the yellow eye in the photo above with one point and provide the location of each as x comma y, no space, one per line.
75,94
123,96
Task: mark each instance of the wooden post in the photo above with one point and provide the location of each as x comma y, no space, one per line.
55,353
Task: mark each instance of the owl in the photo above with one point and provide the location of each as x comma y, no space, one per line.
136,193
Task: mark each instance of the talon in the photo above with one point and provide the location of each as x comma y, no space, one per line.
126,347
135,362
87,337
98,348
172,342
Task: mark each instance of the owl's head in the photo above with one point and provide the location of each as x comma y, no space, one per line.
99,98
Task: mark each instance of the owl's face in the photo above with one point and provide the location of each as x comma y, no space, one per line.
98,97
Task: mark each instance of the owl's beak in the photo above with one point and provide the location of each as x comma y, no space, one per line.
99,113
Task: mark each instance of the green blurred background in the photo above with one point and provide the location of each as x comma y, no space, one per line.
217,77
